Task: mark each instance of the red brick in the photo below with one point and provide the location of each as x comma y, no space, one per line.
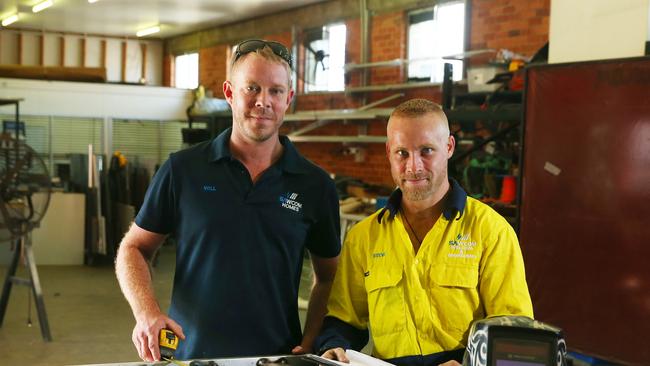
521,26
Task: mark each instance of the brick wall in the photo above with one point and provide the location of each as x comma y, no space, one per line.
353,49
387,42
213,69
519,26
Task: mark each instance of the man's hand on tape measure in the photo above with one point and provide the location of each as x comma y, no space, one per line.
146,333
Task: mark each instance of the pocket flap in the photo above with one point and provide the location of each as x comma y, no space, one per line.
382,279
455,276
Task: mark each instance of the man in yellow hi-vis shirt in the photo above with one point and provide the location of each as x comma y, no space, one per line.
419,271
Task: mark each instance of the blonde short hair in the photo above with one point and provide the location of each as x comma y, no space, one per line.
266,53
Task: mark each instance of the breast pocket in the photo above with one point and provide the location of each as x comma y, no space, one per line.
461,276
455,290
386,307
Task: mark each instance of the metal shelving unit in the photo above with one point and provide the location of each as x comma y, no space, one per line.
502,112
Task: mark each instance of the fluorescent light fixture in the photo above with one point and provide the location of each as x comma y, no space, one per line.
9,20
93,1
41,6
148,31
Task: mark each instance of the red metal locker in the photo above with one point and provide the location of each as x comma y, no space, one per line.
585,204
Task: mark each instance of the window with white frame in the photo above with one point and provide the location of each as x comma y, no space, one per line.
325,58
186,71
434,33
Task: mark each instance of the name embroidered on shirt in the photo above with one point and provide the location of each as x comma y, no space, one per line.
207,188
288,200
460,245
378,255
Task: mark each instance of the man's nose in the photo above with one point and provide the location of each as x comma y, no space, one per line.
263,99
414,163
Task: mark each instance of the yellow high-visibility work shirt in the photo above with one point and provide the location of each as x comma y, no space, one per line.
467,268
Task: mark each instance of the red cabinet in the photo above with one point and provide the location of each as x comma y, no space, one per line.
585,204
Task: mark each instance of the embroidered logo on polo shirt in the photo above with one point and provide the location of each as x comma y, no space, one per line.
378,254
289,200
460,246
208,188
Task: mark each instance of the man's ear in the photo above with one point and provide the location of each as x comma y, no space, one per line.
227,91
290,96
451,146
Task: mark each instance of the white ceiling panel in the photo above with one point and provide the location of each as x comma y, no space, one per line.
123,18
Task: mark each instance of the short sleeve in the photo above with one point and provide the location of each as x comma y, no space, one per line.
158,211
324,237
503,287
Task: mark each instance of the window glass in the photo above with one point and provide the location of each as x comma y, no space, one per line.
433,34
325,58
186,71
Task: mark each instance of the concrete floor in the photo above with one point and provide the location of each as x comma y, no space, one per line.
89,319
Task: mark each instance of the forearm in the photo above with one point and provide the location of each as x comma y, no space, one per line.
134,277
337,333
316,311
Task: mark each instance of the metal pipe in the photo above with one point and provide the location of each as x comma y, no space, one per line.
357,139
294,67
386,87
50,130
380,101
310,127
338,114
364,39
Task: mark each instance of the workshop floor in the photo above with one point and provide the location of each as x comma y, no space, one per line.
89,319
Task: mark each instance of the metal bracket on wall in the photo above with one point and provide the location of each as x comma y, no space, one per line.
325,117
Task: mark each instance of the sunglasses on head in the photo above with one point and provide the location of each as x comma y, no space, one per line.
252,45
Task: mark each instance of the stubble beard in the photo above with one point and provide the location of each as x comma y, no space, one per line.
258,136
255,134
416,193
420,193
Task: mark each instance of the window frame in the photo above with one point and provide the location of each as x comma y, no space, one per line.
307,86
466,36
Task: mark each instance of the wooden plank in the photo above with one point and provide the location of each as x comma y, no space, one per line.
143,69
20,49
41,49
62,50
92,74
103,53
83,52
124,61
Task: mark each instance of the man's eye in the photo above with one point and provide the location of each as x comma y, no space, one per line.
250,89
427,151
277,91
402,153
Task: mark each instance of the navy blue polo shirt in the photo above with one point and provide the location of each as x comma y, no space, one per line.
240,245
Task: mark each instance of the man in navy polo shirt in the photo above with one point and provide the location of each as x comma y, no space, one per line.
242,208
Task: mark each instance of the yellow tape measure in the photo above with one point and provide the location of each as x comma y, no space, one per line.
168,342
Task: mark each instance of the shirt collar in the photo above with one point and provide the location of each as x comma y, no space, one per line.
291,161
454,202
219,147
